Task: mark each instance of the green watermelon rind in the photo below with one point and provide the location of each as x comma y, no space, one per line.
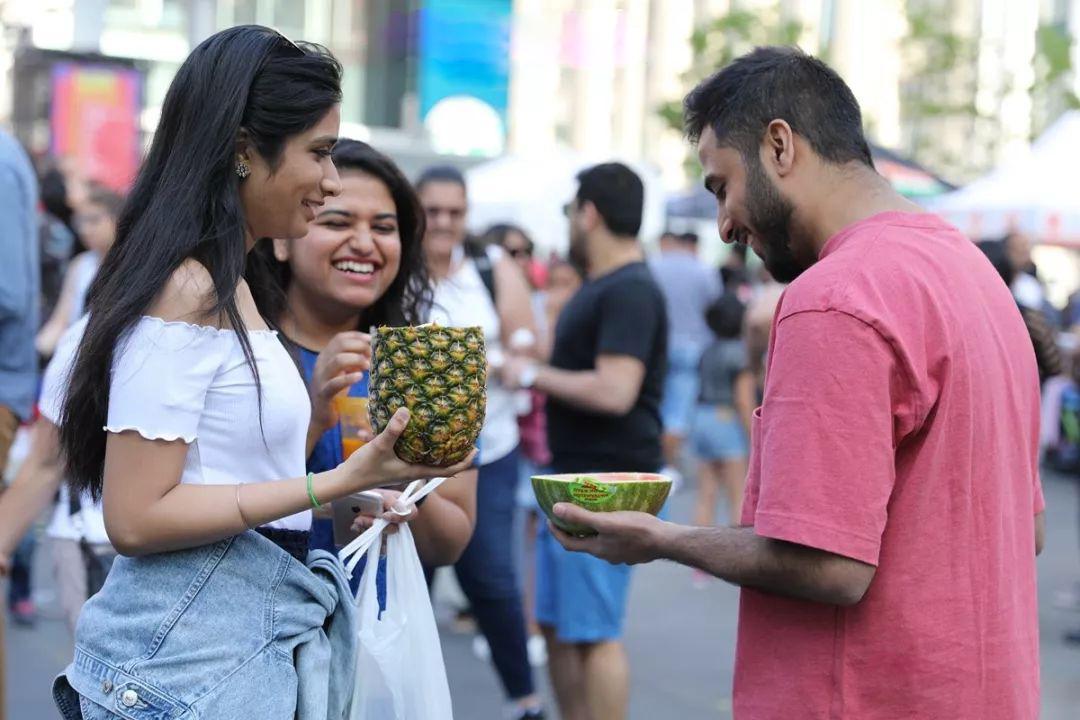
607,494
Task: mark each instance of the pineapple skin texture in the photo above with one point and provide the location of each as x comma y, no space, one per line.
440,375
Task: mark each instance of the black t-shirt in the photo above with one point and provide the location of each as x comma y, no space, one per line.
621,313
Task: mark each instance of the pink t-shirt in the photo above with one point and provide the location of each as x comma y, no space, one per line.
899,428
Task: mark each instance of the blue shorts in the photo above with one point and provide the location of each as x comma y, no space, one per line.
582,597
718,434
680,389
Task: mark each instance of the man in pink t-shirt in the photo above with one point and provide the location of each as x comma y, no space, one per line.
893,509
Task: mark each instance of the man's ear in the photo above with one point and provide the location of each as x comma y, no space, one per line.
779,146
590,216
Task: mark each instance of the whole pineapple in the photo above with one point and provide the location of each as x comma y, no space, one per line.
439,374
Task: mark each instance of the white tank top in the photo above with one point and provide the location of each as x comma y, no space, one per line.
462,300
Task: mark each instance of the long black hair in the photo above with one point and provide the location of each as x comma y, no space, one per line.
408,299
185,204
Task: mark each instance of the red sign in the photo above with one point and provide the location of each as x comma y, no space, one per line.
95,121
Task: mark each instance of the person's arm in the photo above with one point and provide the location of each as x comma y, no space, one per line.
49,334
32,490
148,510
630,319
837,401
611,389
737,555
15,248
445,523
745,399
513,304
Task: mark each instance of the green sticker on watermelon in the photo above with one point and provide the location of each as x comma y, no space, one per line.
590,492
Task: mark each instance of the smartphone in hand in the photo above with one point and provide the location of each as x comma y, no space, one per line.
347,508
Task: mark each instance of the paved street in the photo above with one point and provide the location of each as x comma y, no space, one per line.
680,639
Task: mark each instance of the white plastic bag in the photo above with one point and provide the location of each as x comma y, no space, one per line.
400,673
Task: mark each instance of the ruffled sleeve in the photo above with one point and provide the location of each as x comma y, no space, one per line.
161,373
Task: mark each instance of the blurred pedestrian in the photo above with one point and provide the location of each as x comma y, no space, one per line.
1043,335
603,385
735,275
481,286
516,243
20,275
57,238
360,266
96,222
893,509
201,464
532,421
725,402
689,286
78,543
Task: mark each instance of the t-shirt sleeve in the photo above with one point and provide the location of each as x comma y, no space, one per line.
827,445
161,374
630,318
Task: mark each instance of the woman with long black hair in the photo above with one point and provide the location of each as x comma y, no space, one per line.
212,612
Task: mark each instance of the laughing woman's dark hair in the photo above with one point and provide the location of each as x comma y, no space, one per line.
185,204
408,298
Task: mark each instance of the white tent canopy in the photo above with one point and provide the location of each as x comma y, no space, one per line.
1038,193
531,191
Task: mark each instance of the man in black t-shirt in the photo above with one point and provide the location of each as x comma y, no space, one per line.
604,386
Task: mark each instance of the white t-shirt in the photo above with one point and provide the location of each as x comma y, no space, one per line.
462,300
89,522
173,380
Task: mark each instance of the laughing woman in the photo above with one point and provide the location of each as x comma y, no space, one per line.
213,611
360,265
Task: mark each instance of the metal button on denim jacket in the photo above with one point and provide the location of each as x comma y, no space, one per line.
235,629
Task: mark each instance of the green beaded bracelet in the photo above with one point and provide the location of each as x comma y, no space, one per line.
311,492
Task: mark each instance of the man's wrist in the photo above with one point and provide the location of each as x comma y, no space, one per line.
664,540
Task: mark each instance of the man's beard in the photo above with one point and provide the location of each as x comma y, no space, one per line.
770,216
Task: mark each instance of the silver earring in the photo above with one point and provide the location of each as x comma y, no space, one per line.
242,169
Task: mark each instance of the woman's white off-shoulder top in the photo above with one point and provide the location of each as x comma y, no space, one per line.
173,380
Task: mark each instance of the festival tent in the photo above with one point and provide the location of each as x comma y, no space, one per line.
1036,193
531,190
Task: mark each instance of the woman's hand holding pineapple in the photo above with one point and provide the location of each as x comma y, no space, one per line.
376,464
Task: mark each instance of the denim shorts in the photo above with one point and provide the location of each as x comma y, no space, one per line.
582,597
718,434
680,388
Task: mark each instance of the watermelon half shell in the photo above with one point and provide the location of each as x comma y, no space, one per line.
600,492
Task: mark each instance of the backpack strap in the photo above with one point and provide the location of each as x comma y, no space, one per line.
483,263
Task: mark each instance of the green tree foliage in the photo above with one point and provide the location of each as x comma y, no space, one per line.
721,40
